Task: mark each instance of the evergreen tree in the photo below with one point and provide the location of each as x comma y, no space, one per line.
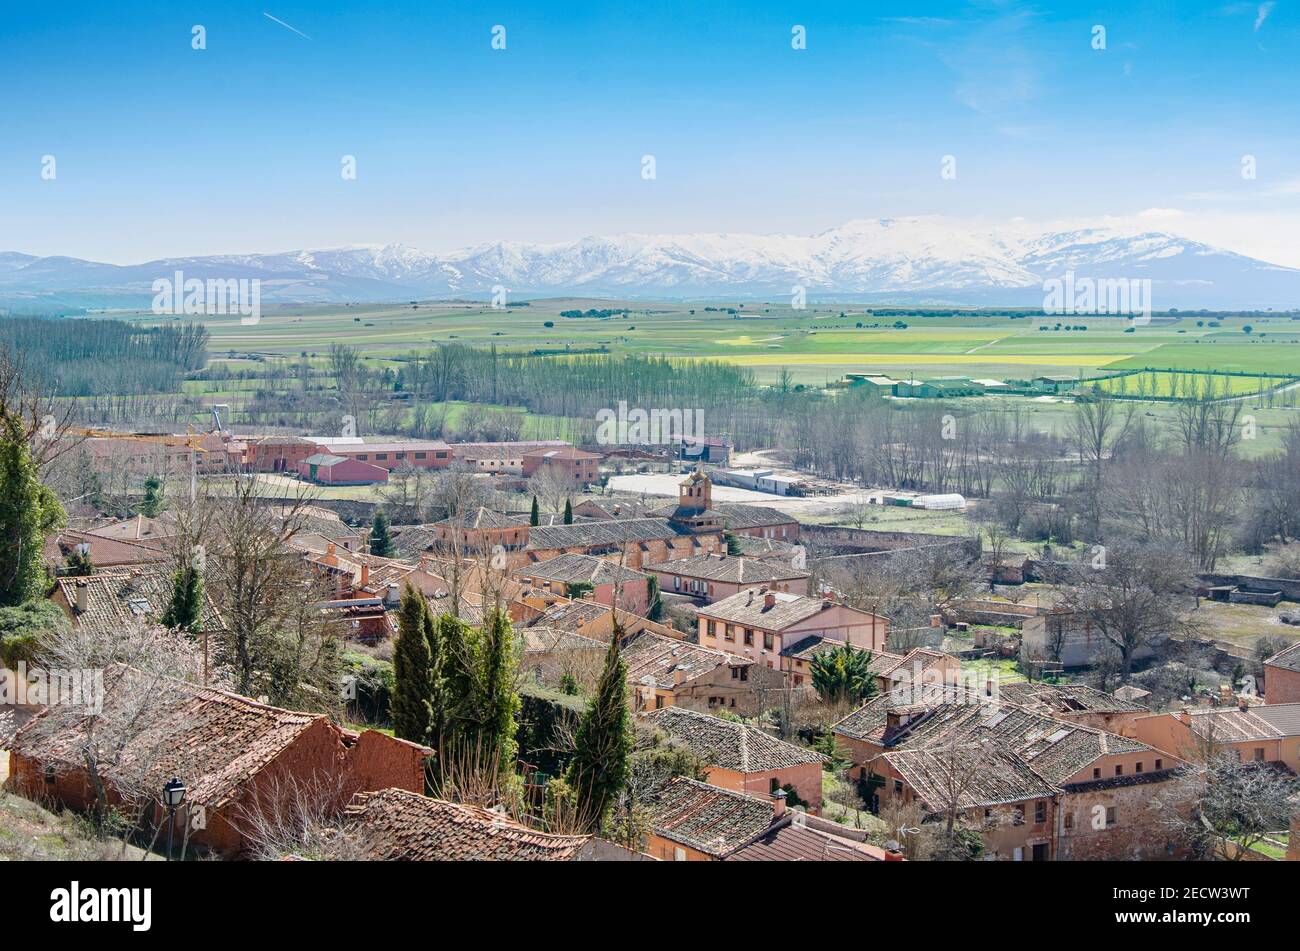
535,518
152,503
412,672
654,598
437,695
500,700
603,743
185,610
458,666
843,674
29,513
381,538
568,511
78,563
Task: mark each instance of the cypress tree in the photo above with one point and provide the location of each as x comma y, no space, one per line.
152,503
568,511
412,704
603,743
437,701
535,518
381,538
458,666
29,512
185,610
500,700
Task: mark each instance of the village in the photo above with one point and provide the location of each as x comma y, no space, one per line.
555,669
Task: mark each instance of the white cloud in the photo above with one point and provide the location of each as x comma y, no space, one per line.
1264,10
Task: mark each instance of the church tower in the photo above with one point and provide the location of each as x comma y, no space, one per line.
695,492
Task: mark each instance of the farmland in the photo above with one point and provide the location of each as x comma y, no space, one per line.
816,345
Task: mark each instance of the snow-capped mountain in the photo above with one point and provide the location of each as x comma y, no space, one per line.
909,260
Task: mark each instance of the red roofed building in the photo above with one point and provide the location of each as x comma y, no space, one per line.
236,757
577,465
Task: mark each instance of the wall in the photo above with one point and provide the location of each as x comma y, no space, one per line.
1281,685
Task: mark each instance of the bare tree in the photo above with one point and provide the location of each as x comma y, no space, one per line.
1135,598
120,734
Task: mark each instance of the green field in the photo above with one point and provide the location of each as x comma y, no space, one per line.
816,345
1166,384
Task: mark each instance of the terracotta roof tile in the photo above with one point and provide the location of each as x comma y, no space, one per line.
396,825
728,744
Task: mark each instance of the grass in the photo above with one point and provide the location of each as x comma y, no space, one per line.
1275,846
29,832
1242,624
813,343
1002,671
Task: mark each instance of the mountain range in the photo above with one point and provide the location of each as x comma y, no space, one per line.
918,260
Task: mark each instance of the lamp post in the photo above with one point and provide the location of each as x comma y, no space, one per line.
173,796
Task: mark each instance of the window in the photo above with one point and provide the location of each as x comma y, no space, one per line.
659,703
1160,764
749,637
363,457
898,787
381,455
1096,772
1040,811
1018,817
421,455
679,854
400,455
1069,820
798,681
440,455
1259,754
773,785
1119,769
713,632
677,585
1111,817
767,641
1138,769
729,633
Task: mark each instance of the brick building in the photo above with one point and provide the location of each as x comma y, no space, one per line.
761,623
1282,676
741,757
1036,787
579,467
236,757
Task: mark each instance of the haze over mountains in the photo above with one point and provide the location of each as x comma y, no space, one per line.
921,260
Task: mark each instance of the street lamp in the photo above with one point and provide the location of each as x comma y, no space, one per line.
173,796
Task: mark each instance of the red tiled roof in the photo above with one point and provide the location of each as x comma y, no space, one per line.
396,825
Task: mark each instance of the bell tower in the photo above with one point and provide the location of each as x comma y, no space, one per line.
695,492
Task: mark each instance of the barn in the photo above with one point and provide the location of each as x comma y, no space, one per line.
327,469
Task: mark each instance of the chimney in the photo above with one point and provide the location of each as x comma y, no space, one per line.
365,574
893,855
679,676
83,597
778,804
769,600
392,596
330,557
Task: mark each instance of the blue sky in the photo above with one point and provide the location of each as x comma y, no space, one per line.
164,150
